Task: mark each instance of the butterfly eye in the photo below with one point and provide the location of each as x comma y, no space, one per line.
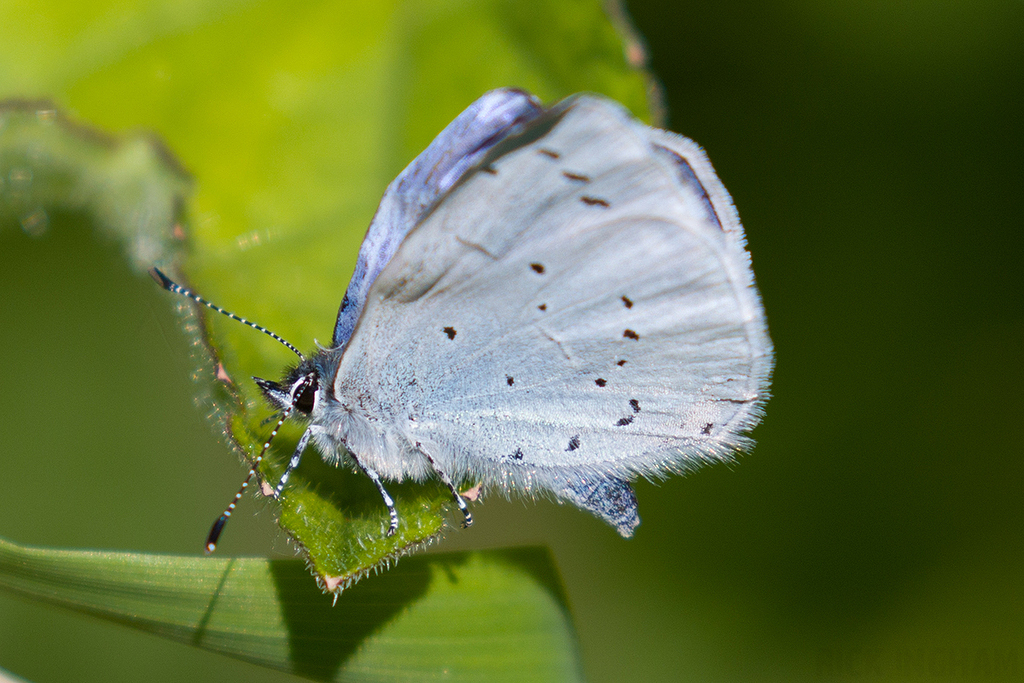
305,395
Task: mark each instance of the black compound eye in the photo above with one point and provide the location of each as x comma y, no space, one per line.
305,397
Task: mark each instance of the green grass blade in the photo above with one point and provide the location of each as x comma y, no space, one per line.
497,615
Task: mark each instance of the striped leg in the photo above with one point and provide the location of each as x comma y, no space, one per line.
468,517
294,462
388,501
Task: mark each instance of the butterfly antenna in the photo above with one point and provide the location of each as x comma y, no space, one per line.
218,526
172,286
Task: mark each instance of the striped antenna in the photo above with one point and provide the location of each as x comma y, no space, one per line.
218,526
172,286
297,390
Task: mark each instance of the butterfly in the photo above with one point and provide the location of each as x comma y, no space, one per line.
549,302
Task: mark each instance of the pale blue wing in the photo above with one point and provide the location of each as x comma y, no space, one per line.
577,311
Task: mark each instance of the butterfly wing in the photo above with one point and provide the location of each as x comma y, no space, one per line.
577,311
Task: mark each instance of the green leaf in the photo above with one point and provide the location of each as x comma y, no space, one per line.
492,616
293,119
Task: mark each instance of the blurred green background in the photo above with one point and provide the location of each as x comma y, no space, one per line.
874,150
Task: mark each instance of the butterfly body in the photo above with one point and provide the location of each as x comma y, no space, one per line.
549,302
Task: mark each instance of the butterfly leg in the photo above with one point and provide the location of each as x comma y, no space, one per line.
388,501
294,462
467,515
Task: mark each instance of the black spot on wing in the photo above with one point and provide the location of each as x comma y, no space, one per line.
635,405
550,153
621,362
624,421
574,443
509,380
706,430
578,177
517,454
542,307
627,302
450,331
595,201
600,382
630,334
537,268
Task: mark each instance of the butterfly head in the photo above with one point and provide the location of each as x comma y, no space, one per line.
299,391
303,386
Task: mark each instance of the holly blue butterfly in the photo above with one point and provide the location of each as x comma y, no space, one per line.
548,301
